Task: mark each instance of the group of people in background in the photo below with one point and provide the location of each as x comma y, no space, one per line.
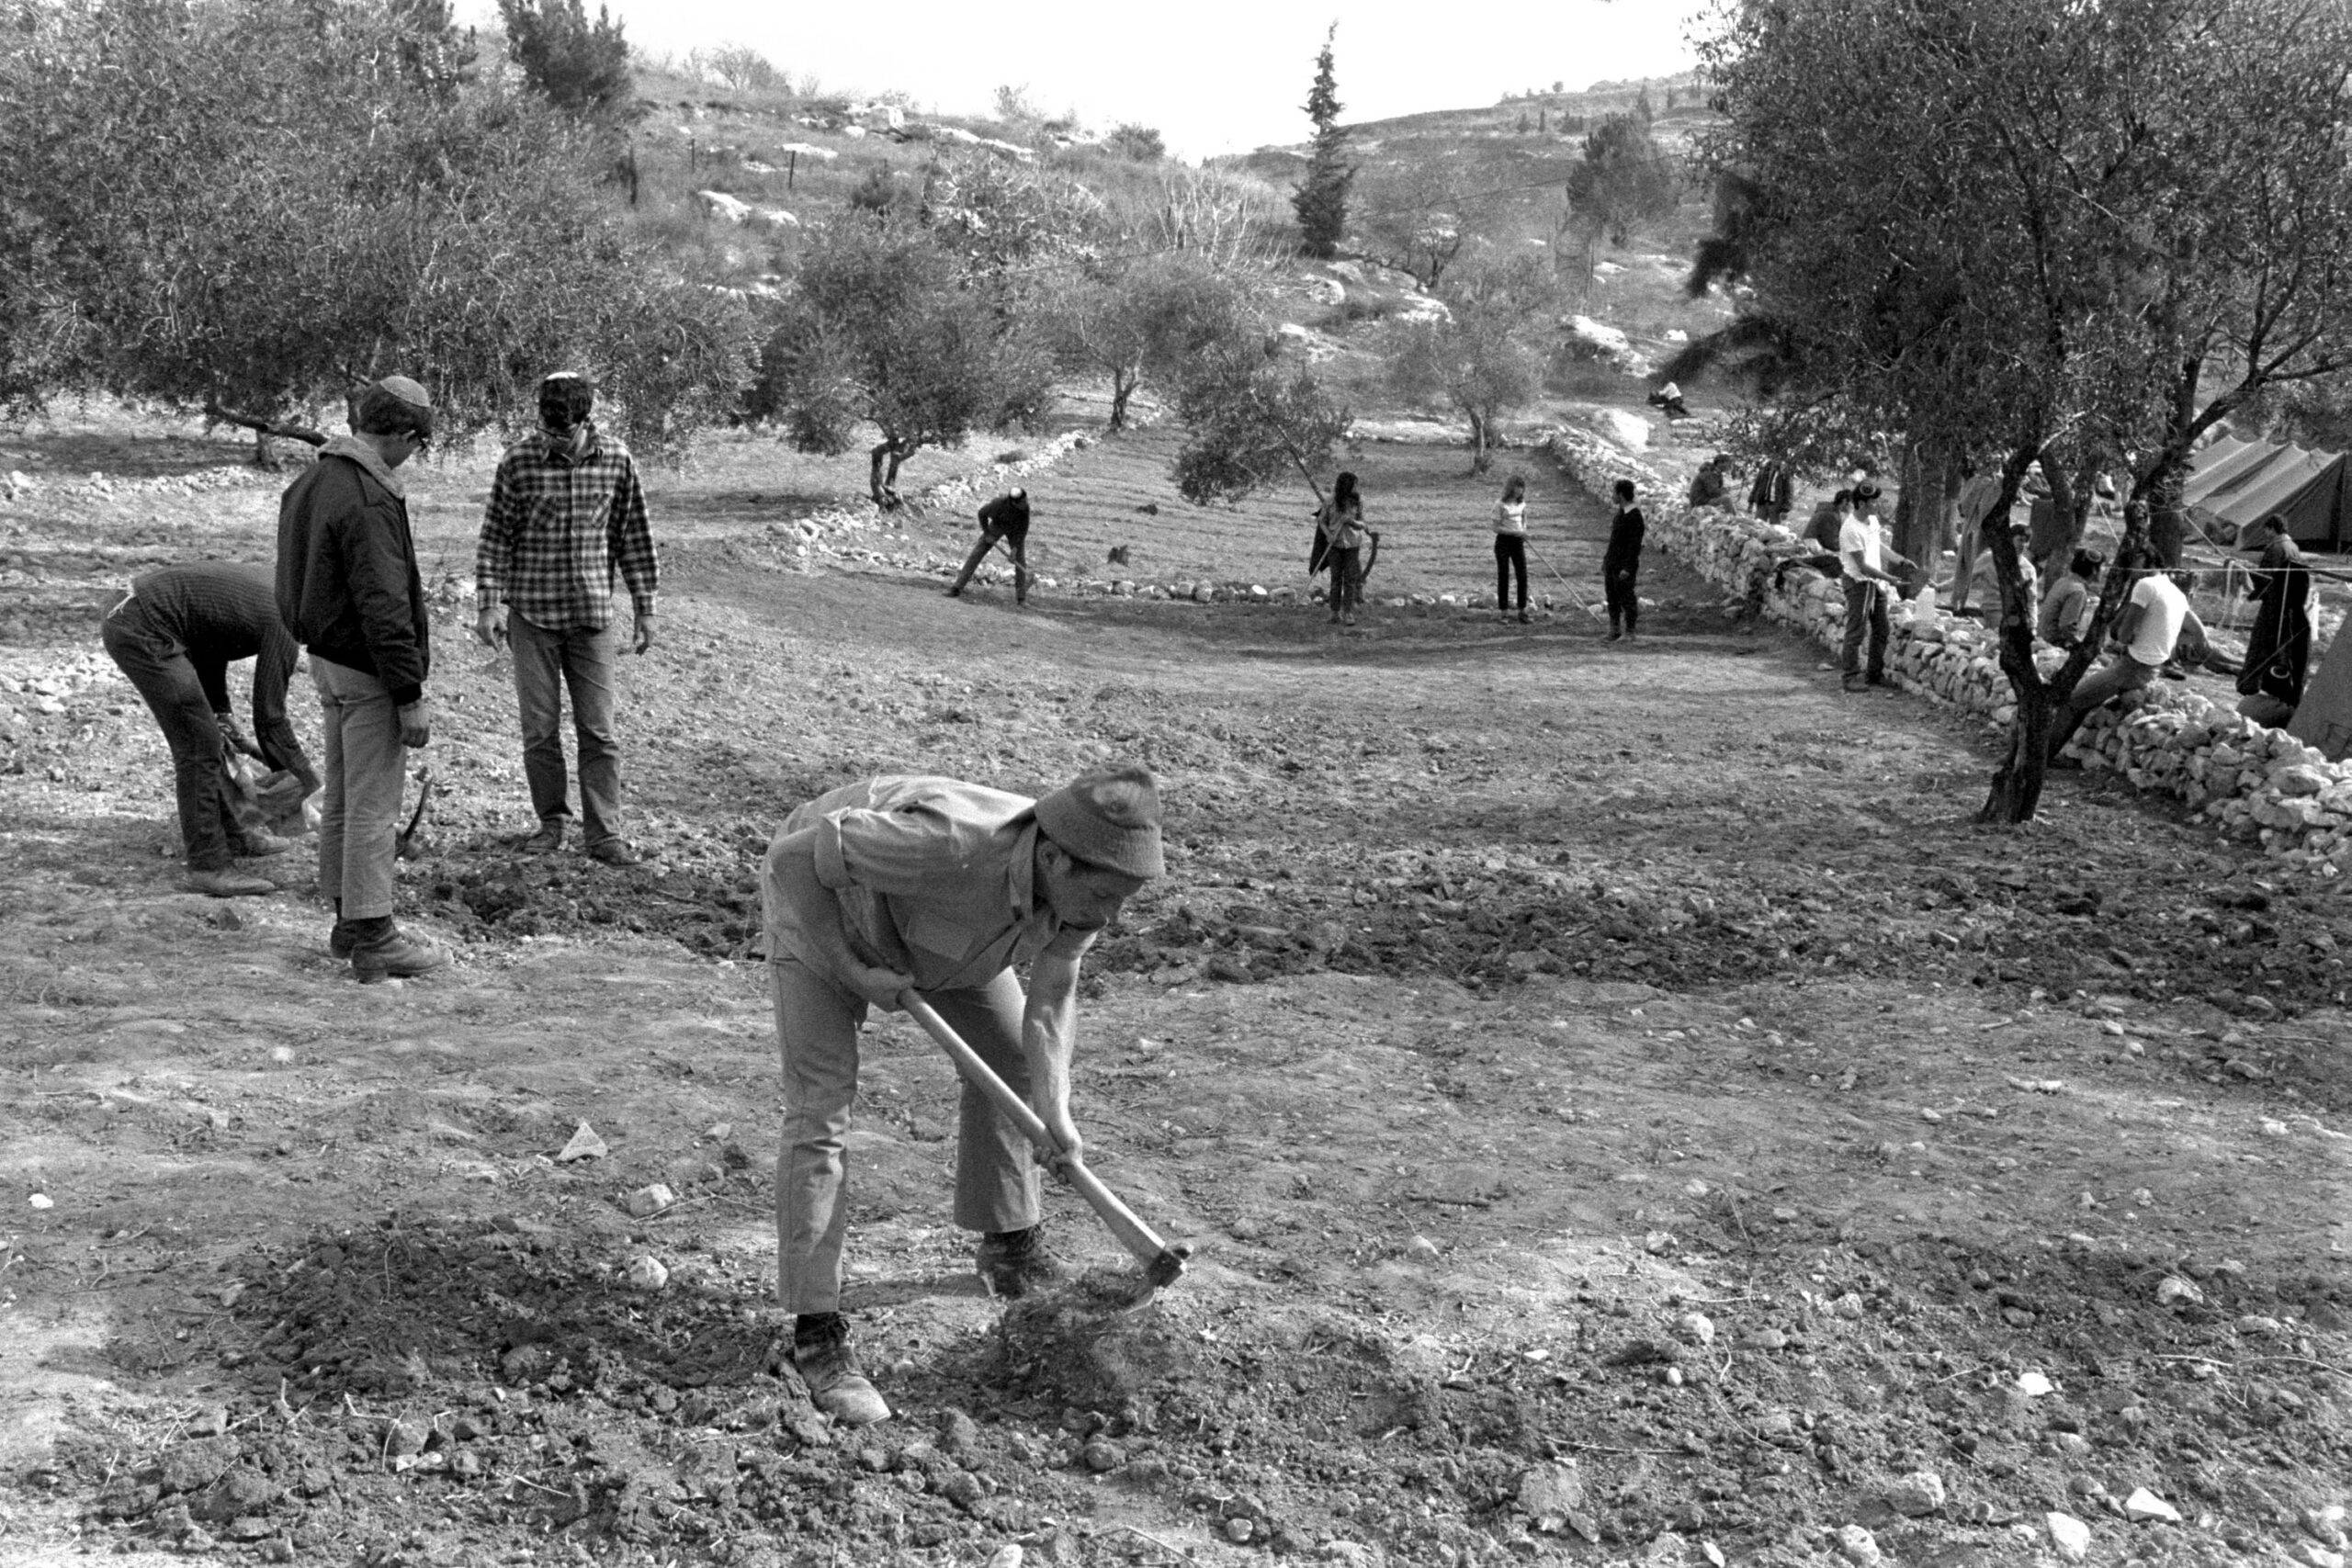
1345,546
566,519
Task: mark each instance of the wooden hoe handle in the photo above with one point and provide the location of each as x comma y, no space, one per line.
1137,1238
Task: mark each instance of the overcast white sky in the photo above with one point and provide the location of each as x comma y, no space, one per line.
1213,76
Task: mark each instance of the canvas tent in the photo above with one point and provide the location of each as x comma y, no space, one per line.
2234,482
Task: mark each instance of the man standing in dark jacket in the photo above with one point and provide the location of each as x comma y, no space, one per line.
349,591
175,635
1006,518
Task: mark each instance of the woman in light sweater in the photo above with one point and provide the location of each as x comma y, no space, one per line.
1510,546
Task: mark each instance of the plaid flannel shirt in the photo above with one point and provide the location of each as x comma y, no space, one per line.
556,532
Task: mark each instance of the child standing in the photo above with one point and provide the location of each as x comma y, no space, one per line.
1510,546
1621,564
1341,524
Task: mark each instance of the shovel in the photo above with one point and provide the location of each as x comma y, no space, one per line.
1161,1263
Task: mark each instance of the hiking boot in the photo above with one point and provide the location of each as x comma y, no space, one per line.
341,938
260,843
228,882
836,1384
616,851
397,954
547,839
1017,1265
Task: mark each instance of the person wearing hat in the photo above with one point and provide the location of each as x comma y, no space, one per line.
348,589
566,516
944,888
1862,555
1006,518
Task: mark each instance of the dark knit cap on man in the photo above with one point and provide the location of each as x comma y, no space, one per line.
1108,817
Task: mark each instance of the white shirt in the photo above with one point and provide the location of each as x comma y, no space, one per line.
2163,608
1858,545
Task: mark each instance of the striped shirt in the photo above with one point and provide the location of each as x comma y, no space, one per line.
556,532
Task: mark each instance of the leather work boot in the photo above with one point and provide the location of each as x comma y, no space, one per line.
228,882
547,839
1018,1264
342,939
617,851
260,843
835,1383
397,953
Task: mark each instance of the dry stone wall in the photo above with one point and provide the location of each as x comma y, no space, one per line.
2256,783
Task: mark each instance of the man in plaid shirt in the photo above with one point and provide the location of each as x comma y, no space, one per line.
566,512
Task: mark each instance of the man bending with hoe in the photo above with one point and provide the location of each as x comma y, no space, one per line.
943,887
1005,518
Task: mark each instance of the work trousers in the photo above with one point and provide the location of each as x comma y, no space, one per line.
360,810
1510,556
547,663
1623,590
1016,542
1866,620
1347,578
2119,674
181,700
816,1031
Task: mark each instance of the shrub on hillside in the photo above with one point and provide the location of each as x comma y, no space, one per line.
332,203
580,66
886,328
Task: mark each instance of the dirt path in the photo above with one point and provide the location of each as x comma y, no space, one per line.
1512,997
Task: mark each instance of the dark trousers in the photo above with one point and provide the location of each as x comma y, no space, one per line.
1017,543
1866,612
1622,588
177,694
1346,579
546,664
2119,674
1510,556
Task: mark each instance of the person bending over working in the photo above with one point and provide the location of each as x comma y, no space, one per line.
175,635
1510,546
566,516
1006,518
944,887
349,591
1621,564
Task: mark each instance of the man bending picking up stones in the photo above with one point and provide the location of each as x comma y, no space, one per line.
943,886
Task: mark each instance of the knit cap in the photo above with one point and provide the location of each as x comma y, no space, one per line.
1108,817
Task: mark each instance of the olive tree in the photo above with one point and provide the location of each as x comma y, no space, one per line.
1481,359
204,207
2089,232
1252,418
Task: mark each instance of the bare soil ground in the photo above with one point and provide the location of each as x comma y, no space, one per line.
1515,1001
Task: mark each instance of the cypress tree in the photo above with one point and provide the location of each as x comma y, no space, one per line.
1321,200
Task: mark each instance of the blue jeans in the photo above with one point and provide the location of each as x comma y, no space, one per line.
587,662
367,769
1866,615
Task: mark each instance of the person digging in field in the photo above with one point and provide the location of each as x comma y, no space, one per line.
944,887
1005,518
1621,564
175,635
1339,522
1511,544
349,591
566,516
